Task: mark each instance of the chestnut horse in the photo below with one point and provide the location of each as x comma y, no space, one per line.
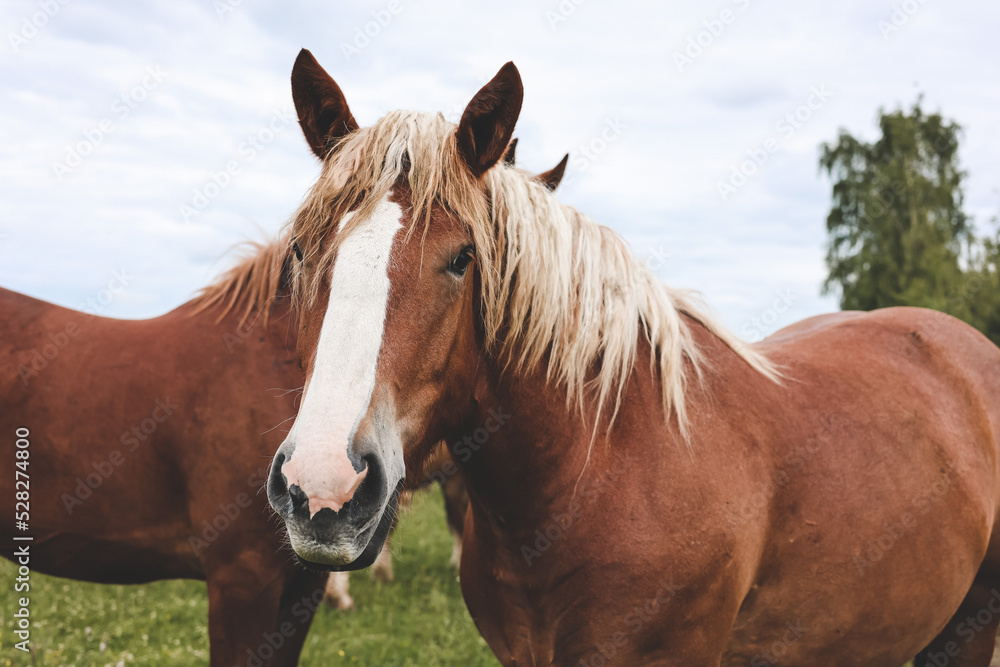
149,446
645,489
439,467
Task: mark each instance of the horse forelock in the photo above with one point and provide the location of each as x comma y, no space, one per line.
555,285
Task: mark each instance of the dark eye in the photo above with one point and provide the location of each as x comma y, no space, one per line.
297,251
461,262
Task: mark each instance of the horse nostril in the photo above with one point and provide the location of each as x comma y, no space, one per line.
277,487
300,501
373,487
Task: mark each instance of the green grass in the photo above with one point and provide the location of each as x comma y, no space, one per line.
419,619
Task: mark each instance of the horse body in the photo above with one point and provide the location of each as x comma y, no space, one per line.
793,530
904,408
148,452
644,488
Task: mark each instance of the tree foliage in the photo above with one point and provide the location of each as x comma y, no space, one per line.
898,235
981,291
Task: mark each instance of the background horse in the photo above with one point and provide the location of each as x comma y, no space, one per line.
644,488
150,442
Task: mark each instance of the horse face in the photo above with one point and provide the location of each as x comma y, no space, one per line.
389,348
389,341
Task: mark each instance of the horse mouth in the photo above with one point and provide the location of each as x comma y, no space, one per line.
371,550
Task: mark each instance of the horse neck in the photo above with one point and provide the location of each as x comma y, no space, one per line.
544,453
523,450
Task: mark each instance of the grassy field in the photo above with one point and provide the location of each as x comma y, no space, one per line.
419,619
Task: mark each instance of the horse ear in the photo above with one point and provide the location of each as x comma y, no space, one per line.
320,104
553,177
509,158
488,121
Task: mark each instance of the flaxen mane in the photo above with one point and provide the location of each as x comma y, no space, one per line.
251,285
553,281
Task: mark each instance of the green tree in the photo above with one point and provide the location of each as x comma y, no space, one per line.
896,228
981,291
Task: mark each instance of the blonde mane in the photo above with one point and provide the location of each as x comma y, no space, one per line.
251,285
555,284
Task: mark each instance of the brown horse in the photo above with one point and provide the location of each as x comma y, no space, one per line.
644,488
149,446
439,467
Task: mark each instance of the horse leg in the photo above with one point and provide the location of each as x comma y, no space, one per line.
382,567
338,595
456,502
239,619
253,625
969,637
302,597
456,550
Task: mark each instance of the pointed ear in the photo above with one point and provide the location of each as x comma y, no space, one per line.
320,105
488,121
553,177
509,158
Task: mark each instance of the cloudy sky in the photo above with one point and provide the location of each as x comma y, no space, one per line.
139,141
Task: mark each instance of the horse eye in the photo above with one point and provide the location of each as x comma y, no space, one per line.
461,262
297,251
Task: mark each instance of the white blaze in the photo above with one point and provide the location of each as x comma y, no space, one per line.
343,377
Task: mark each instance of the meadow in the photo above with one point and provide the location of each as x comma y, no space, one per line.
418,619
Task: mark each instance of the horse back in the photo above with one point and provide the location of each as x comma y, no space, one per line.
141,431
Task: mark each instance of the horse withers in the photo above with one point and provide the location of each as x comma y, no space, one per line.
644,487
